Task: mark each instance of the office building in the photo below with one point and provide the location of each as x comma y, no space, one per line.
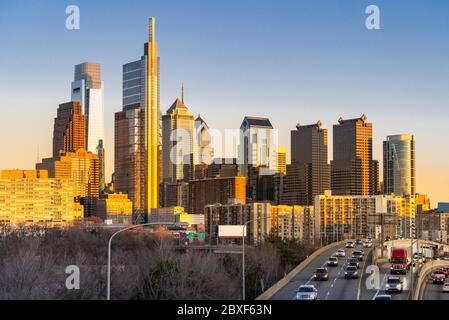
399,165
282,160
308,174
115,208
179,143
204,142
129,165
352,167
31,197
69,128
258,145
87,88
174,194
215,190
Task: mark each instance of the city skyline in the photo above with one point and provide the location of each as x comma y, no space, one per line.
397,113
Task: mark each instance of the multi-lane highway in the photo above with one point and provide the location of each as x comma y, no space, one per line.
339,288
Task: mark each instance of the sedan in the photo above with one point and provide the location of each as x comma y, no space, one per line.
306,292
446,287
358,255
332,262
351,273
350,244
394,284
321,274
354,262
340,253
367,244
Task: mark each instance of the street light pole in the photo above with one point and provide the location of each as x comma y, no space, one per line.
108,293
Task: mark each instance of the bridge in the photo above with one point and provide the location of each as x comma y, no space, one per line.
339,288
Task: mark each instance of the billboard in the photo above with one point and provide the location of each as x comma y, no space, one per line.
231,231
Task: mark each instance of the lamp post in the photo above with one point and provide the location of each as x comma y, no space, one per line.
108,294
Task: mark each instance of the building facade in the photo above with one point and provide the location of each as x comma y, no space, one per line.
352,167
216,190
308,174
31,197
293,222
115,207
399,165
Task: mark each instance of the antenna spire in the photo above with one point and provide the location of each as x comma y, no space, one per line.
182,93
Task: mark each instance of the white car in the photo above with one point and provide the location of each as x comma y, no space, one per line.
394,284
367,244
446,287
340,253
306,292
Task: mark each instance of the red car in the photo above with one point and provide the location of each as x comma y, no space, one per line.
321,274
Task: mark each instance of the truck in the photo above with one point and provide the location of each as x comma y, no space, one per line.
399,261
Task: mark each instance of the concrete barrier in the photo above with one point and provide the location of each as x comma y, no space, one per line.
284,281
423,277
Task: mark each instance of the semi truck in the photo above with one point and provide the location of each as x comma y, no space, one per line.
399,261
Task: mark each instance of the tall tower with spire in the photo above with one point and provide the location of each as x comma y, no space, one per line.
152,119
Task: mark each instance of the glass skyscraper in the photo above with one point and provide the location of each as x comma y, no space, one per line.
399,165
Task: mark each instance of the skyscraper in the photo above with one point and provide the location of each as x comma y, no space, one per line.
152,115
69,128
352,168
308,174
138,167
399,165
282,160
129,164
87,88
258,145
204,140
179,143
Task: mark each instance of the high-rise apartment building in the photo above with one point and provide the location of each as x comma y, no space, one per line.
31,197
87,88
308,174
217,190
179,143
399,165
352,168
339,217
293,222
69,128
82,167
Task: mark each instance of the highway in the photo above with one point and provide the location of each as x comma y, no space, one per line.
339,288
336,288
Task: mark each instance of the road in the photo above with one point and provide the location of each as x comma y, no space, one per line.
336,288
339,288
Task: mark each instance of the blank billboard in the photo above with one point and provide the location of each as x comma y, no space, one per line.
231,231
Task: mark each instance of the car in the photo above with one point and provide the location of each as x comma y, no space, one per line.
357,255
394,284
332,262
446,287
340,253
321,274
351,272
367,244
354,262
350,244
358,242
438,278
388,238
306,292
381,297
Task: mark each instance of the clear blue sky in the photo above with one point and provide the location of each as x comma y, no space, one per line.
288,60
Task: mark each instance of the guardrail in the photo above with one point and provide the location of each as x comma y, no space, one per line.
284,281
423,277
